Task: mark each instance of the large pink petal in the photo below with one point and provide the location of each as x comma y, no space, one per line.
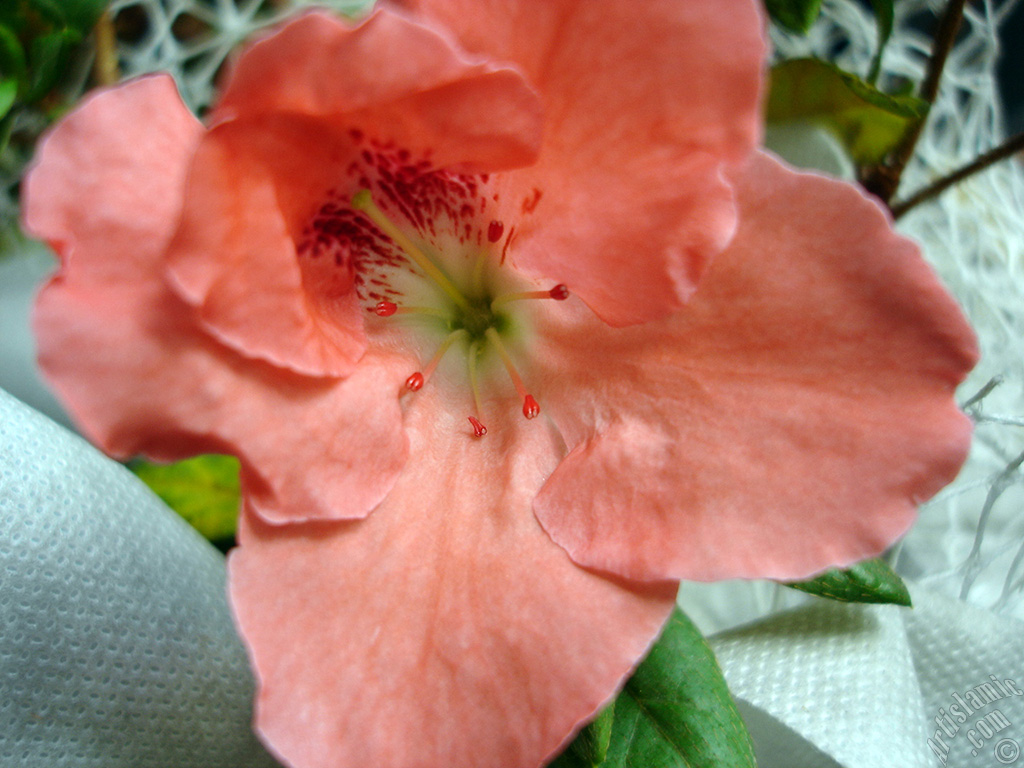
444,630
126,355
297,113
235,258
643,106
788,420
406,82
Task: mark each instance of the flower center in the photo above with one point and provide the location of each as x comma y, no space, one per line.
469,310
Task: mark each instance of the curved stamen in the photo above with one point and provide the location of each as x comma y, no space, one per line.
559,293
388,308
478,428
363,201
530,407
416,381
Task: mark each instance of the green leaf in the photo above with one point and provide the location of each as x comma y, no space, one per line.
48,56
50,10
676,711
868,122
8,93
590,747
871,581
82,15
12,55
795,15
6,127
884,16
203,490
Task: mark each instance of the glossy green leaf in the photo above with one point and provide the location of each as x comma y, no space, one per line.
868,122
795,15
48,57
676,711
871,581
8,93
50,10
12,55
82,15
204,491
884,17
6,127
590,747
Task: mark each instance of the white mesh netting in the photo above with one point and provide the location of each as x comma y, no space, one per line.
192,38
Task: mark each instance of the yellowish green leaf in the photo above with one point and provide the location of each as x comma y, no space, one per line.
204,491
871,581
868,122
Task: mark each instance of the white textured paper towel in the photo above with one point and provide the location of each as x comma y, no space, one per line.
869,686
116,645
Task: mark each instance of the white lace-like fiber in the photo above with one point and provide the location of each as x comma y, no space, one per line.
195,59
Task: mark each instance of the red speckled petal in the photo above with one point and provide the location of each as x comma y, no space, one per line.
644,104
126,355
788,420
444,630
285,140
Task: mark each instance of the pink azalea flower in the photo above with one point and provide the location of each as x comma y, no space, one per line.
280,284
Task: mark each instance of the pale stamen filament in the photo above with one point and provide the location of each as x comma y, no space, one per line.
478,272
530,407
478,428
416,381
388,308
363,201
558,293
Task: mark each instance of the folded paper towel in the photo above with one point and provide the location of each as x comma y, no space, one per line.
117,647
828,685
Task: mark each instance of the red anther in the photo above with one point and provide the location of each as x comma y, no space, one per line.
385,308
531,409
478,429
559,293
494,231
415,382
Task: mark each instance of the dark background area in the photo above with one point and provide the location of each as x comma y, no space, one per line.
1011,69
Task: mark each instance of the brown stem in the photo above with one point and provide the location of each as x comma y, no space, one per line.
1010,146
105,68
884,179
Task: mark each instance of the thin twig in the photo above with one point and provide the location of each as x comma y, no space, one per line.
106,69
883,180
982,393
1009,147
